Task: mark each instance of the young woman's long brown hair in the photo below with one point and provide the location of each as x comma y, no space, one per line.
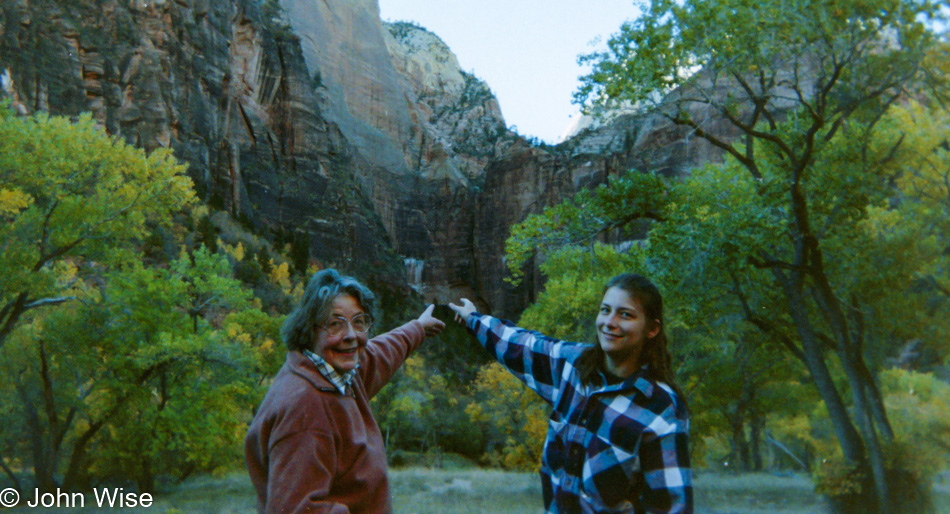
655,353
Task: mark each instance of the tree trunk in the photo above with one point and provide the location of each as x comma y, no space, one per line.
848,343
77,475
739,444
146,478
43,469
848,437
876,402
10,315
862,414
9,472
755,440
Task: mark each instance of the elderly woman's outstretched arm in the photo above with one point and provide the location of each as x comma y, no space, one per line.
386,352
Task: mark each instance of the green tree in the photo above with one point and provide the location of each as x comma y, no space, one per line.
422,410
924,196
300,251
514,416
70,192
264,260
191,414
920,407
138,372
260,332
791,79
125,384
708,250
207,233
729,374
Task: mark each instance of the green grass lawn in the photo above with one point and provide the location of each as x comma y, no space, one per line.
419,490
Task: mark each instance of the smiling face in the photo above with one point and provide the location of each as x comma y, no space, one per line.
622,328
341,351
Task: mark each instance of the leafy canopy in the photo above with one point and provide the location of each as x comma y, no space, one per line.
779,47
70,191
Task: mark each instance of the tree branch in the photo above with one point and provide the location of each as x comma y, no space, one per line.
59,252
773,125
44,234
82,440
748,163
770,263
827,340
800,96
758,134
48,301
763,325
780,446
48,402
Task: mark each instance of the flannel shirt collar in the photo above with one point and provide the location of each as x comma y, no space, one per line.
638,381
339,380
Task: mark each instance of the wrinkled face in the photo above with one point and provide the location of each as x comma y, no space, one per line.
341,351
622,326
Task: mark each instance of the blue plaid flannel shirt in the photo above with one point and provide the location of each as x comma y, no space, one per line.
609,448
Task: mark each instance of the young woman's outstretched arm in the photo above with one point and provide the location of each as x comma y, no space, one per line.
532,357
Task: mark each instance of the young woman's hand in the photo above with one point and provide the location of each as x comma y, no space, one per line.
464,311
431,325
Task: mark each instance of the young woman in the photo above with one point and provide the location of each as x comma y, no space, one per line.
618,435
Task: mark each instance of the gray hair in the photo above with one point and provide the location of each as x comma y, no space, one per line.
314,307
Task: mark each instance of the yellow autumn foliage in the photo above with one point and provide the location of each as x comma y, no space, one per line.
513,411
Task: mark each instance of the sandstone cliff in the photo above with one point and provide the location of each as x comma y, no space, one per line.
314,116
225,85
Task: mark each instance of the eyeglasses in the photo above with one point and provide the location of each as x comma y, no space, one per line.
336,326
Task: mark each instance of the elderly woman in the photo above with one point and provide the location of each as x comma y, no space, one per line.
314,445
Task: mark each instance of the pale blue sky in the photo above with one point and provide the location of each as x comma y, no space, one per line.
526,50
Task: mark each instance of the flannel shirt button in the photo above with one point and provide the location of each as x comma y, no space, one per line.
575,463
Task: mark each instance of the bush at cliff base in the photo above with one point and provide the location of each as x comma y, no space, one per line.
918,406
851,491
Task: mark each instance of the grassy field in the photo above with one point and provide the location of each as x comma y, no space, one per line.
431,491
